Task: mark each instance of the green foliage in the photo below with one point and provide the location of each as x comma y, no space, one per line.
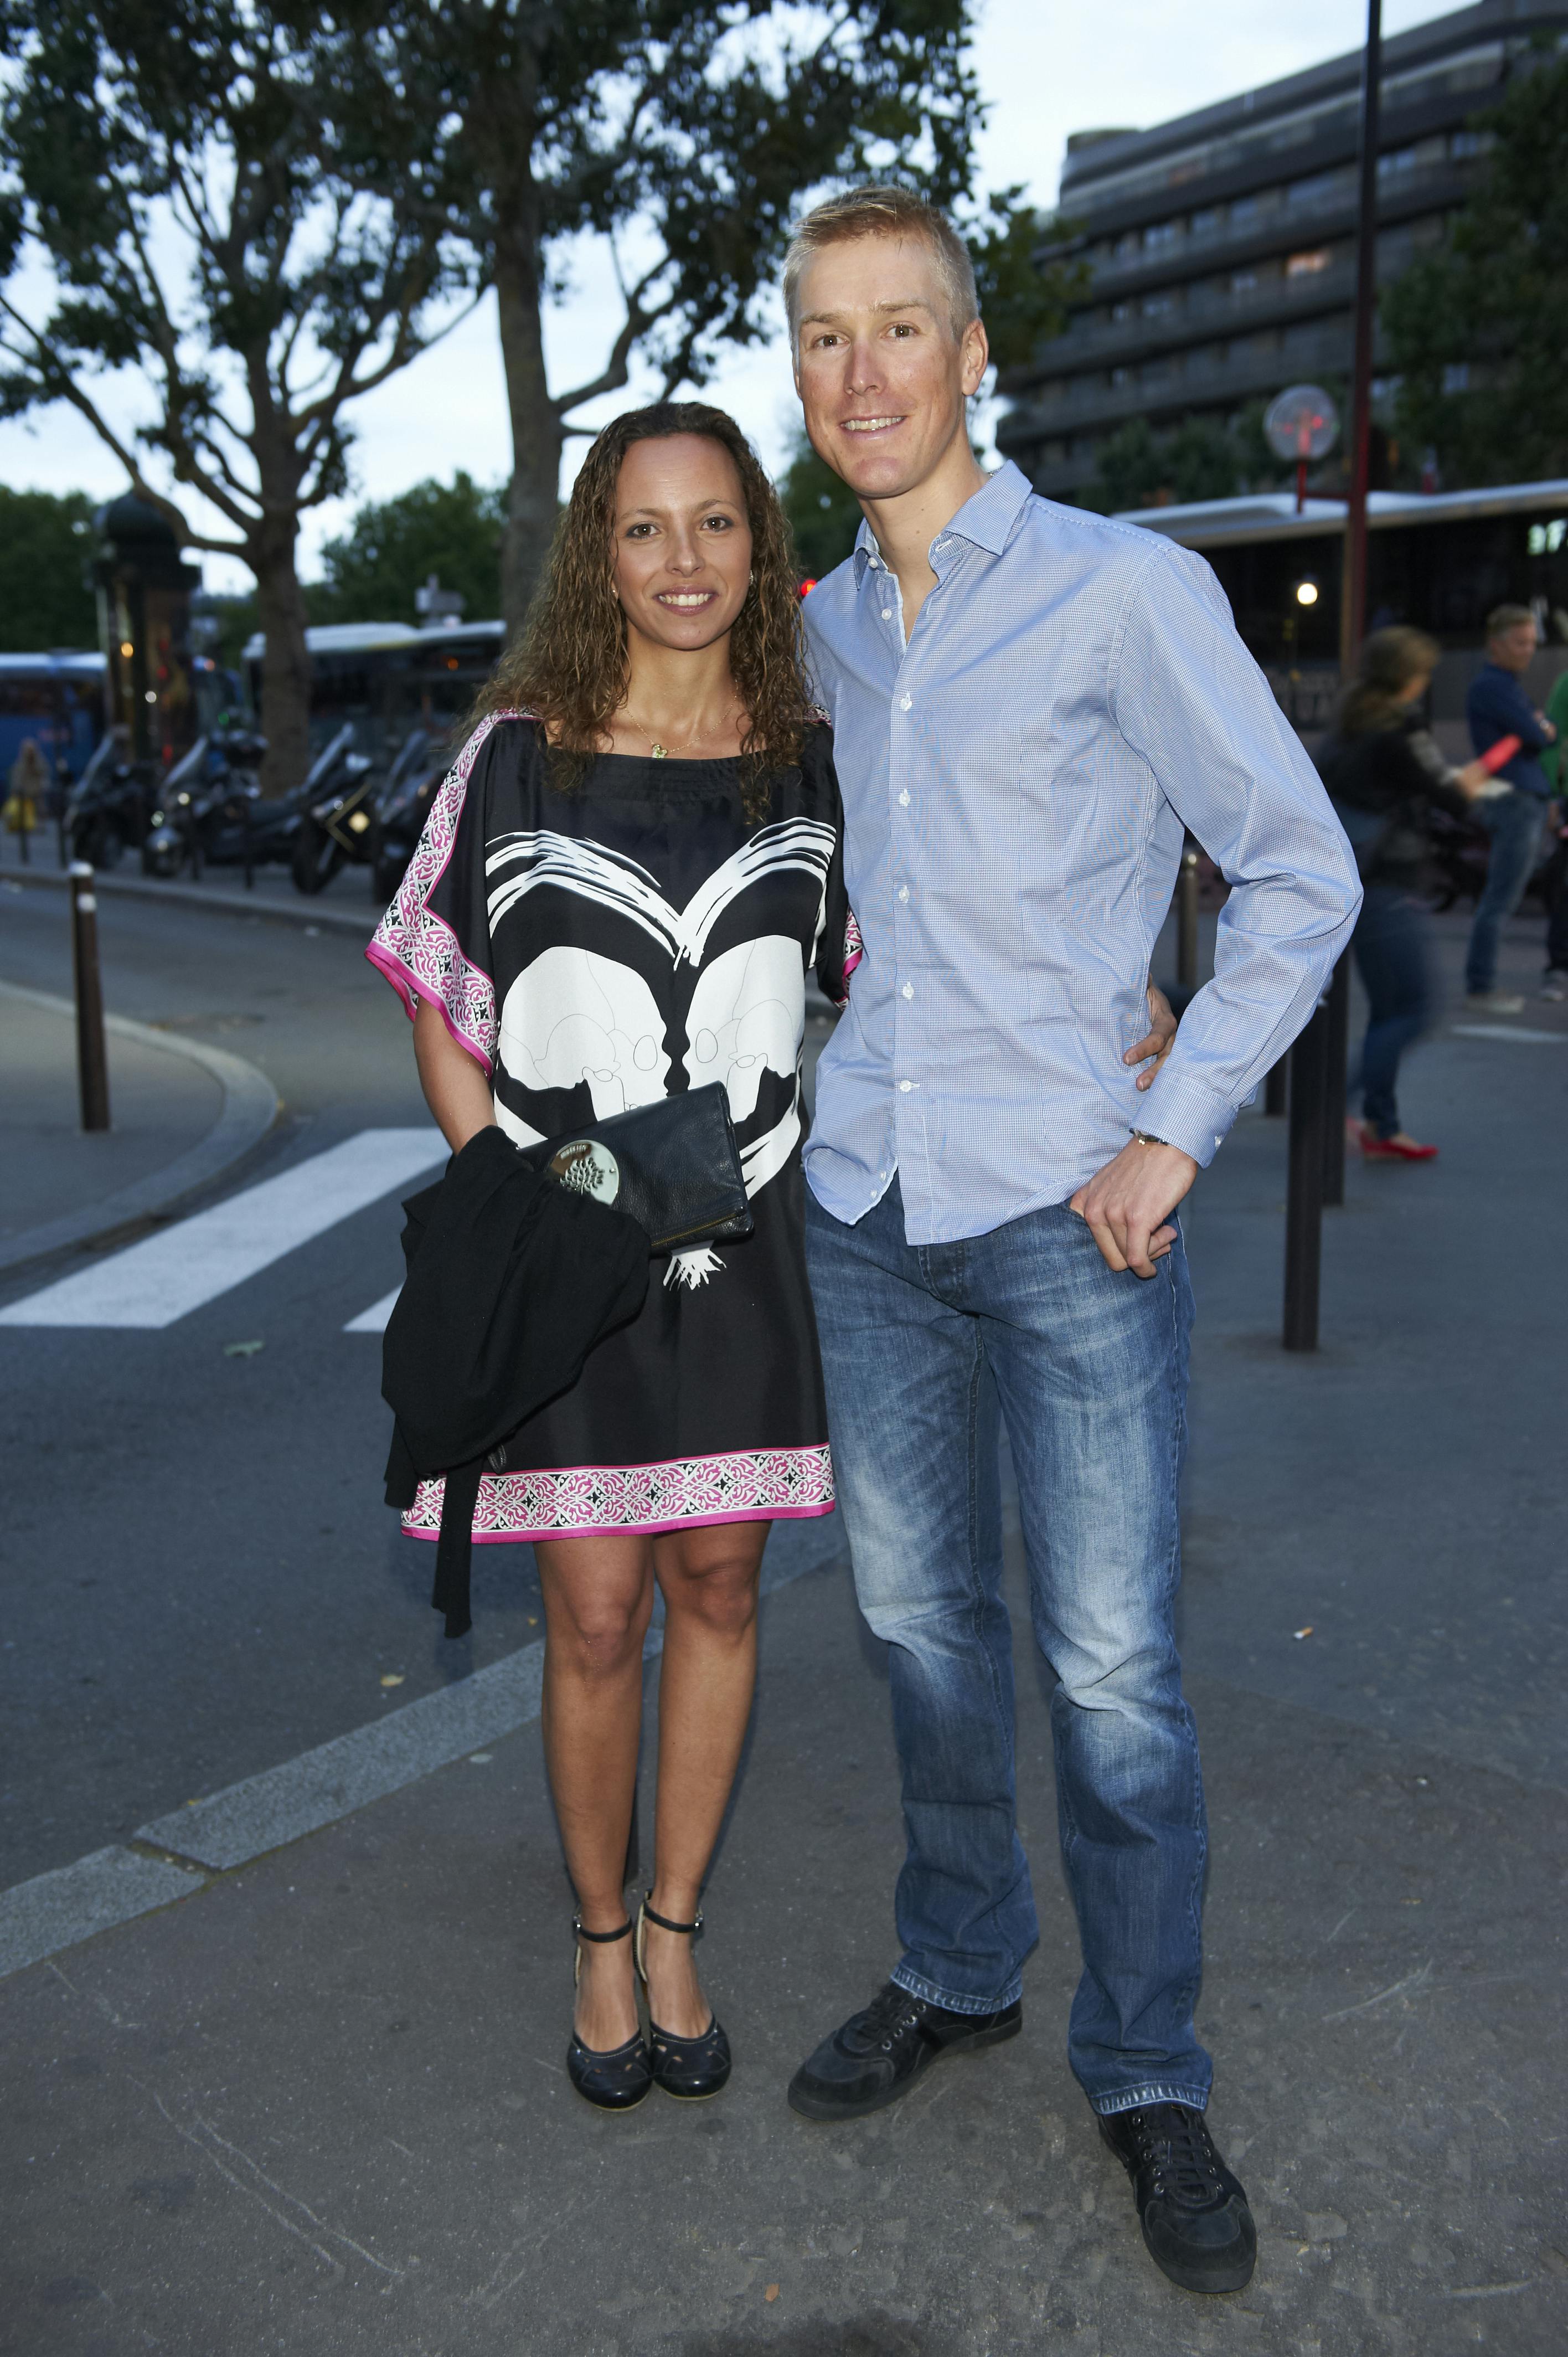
1135,468
1021,304
239,201
392,546
46,554
823,512
1478,330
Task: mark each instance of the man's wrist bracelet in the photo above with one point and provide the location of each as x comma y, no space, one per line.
1147,1137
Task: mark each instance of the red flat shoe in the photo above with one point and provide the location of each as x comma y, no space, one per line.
1395,1150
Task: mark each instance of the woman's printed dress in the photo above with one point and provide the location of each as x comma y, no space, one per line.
600,950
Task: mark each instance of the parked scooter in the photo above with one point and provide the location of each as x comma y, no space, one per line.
108,811
1459,854
403,805
338,817
211,812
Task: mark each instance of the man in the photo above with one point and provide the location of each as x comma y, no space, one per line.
1495,706
1554,983
1028,702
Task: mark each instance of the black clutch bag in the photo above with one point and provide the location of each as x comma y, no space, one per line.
672,1166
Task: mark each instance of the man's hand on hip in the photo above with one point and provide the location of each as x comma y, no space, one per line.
1128,1203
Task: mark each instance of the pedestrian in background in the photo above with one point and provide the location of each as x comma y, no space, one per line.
1497,706
1383,773
1554,983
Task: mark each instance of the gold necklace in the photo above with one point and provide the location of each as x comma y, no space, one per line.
660,753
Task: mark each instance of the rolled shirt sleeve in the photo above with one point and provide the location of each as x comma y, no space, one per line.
1190,701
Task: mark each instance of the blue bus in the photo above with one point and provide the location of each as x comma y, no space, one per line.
58,700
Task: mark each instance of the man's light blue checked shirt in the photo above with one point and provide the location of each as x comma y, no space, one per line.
1015,784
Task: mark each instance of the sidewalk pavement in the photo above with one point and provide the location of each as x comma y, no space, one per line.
182,1115
319,2105
345,906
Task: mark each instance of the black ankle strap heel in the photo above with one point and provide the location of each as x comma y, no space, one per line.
615,2078
687,2068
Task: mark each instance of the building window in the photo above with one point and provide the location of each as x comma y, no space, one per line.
1244,282
1456,377
1321,189
1307,265
1207,223
1393,167
1127,244
1157,371
1161,235
1119,312
1470,142
1120,377
1245,212
1158,306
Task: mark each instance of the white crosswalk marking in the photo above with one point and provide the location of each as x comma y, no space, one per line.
373,1320
167,1277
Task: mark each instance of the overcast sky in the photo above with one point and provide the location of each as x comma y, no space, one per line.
1046,69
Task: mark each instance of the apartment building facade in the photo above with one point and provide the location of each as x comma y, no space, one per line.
1220,248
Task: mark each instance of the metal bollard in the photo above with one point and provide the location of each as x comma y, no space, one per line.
1304,1202
1276,1088
92,1057
249,848
1336,1081
1187,921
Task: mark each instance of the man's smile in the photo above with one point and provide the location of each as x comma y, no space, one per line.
869,424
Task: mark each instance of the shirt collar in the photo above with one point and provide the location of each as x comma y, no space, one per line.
985,519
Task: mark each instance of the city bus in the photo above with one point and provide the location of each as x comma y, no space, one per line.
384,679
56,698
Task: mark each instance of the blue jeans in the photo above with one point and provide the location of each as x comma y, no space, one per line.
1513,821
1392,946
922,1345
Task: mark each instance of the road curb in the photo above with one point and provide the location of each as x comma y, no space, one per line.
309,913
181,1853
250,1109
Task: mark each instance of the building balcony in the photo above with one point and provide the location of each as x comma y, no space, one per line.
1205,383
1203,316
1278,229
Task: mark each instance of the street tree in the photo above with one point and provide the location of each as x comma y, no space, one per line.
240,201
1478,330
45,579
369,574
683,134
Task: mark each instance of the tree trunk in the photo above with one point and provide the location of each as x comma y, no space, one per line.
536,435
285,665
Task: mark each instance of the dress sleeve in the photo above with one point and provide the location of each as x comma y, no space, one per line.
838,942
434,940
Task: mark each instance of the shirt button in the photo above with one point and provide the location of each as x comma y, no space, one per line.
904,703
903,891
904,1086
909,990
888,613
904,802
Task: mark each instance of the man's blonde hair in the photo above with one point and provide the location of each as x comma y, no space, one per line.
885,212
1504,618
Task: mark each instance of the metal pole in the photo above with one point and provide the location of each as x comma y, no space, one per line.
92,1058
1353,594
1186,923
1304,1203
250,860
1335,1084
1276,1088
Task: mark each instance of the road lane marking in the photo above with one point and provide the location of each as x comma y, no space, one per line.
373,1320
165,1277
1507,1031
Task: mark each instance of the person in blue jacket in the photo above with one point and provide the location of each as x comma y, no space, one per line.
1497,707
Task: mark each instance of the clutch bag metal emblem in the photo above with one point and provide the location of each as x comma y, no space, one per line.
588,1167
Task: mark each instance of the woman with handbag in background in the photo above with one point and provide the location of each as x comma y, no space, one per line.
1383,771
616,899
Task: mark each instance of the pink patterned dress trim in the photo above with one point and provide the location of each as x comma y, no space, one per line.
415,948
595,1500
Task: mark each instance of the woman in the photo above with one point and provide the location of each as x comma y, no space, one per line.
1383,771
616,897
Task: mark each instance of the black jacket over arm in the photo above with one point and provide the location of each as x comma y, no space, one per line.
511,1280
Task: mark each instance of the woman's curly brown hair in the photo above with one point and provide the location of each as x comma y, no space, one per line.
570,666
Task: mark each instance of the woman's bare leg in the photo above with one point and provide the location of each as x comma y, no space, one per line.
709,1582
599,1598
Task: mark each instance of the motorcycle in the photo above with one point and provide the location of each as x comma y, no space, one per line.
403,805
339,819
109,810
1459,852
212,813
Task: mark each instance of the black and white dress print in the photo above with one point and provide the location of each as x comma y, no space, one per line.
598,950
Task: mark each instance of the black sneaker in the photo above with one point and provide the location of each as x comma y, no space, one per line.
879,2054
1194,2213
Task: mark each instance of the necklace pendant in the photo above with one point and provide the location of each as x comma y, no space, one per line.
660,753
